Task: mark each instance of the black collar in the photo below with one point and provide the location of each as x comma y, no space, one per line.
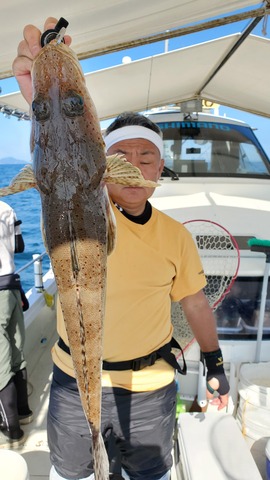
142,218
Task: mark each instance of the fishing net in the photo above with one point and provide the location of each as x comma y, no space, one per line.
220,257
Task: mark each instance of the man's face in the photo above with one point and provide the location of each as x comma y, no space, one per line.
144,155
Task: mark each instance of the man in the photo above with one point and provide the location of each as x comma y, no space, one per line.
154,261
14,409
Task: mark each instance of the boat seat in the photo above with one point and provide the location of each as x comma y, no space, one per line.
212,446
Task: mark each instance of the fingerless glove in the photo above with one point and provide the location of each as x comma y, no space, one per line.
215,369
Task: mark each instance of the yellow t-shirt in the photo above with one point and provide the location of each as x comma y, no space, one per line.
152,265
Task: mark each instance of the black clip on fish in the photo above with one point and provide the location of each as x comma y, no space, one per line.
57,31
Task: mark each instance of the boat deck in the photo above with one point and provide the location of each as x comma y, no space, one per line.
35,449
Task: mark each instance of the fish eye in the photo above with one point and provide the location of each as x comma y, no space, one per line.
73,104
41,108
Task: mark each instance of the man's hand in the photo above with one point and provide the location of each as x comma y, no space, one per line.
27,51
216,379
222,400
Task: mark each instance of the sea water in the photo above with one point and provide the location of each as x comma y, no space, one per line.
28,208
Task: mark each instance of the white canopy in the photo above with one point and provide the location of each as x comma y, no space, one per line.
243,82
96,25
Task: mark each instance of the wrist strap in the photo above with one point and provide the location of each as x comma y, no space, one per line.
215,368
214,362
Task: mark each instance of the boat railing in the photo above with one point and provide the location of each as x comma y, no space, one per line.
38,271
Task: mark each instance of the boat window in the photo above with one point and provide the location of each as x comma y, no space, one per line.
193,148
238,315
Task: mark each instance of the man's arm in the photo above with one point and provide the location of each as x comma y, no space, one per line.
203,324
202,321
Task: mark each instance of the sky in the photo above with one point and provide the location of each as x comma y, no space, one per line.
15,135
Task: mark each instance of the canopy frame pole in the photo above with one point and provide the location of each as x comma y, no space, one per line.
237,44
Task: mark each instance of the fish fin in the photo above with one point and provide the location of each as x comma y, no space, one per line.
122,172
43,234
111,235
23,181
101,462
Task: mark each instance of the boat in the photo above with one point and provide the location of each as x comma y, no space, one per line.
215,171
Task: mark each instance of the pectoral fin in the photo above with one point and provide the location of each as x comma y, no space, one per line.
122,172
23,181
111,238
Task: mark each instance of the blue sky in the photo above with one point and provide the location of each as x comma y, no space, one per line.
15,134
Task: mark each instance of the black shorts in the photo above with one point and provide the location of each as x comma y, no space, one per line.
137,429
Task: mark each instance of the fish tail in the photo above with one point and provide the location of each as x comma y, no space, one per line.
101,462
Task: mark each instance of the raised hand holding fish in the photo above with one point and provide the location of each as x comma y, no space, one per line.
69,167
28,49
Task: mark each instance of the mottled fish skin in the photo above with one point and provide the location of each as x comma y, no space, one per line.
69,163
78,225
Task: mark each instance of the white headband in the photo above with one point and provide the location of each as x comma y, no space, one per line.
134,131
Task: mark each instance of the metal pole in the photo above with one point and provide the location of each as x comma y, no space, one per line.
38,271
239,42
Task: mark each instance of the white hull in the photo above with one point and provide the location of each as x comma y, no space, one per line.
241,205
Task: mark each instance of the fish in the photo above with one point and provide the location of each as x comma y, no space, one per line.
70,170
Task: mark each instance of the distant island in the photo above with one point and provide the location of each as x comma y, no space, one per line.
12,161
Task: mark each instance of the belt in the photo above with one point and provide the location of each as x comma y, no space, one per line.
10,282
139,363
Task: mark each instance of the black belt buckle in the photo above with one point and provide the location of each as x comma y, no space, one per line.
142,362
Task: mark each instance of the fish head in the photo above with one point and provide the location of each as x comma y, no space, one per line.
66,134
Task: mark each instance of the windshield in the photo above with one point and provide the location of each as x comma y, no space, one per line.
200,148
